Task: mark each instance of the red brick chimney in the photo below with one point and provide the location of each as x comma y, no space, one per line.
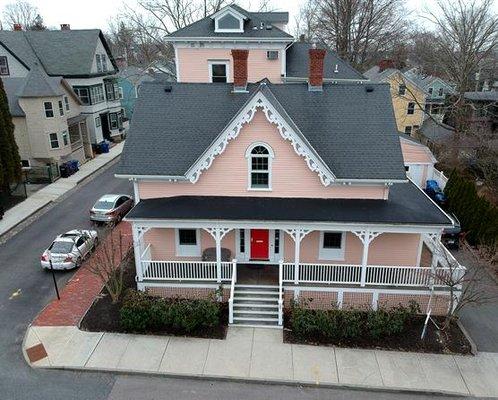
65,27
17,27
316,67
385,64
240,68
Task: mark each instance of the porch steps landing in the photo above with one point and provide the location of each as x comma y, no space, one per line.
255,306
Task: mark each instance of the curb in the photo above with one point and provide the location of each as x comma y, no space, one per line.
264,381
473,345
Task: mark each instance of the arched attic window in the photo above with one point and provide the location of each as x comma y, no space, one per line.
259,158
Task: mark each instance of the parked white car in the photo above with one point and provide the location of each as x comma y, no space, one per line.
111,208
68,250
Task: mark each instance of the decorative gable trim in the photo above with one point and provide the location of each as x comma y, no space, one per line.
259,101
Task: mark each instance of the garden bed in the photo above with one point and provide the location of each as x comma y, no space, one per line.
451,342
104,316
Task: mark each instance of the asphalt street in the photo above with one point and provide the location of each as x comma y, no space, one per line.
25,289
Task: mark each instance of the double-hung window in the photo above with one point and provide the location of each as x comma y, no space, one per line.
259,158
402,89
53,140
408,130
84,94
188,242
4,66
65,139
113,119
218,71
411,108
110,91
331,245
66,102
61,108
49,109
103,59
99,63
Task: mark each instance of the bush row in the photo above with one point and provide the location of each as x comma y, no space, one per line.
477,215
141,313
326,325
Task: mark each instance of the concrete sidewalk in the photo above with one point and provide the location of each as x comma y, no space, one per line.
261,355
52,192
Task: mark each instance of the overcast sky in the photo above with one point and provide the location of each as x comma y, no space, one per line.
96,13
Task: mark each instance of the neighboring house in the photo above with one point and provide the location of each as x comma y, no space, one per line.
129,80
437,92
408,98
435,135
483,113
83,59
275,191
49,126
206,49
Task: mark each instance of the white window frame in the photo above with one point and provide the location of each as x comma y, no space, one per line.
65,138
218,29
98,122
188,250
408,108
66,103
271,156
332,254
226,63
50,141
61,108
120,92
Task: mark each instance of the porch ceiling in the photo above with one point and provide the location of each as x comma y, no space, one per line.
406,205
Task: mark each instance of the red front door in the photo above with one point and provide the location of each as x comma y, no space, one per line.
259,244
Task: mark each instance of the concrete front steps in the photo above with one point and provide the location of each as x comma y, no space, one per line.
255,306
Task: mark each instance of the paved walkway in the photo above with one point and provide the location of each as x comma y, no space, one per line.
52,192
260,354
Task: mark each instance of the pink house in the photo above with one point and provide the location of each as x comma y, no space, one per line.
268,180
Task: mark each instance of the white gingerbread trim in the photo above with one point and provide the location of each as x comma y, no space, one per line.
259,101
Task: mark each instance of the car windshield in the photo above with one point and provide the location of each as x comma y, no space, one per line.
104,205
61,247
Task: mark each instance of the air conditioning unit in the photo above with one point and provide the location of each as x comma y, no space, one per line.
272,54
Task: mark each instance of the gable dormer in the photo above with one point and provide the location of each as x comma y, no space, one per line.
229,20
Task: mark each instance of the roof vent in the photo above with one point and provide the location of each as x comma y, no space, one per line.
168,88
369,89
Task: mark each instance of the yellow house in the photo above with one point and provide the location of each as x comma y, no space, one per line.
408,98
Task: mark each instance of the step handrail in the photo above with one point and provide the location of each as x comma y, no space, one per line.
232,291
280,293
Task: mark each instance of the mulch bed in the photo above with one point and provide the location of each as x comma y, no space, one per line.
103,315
452,342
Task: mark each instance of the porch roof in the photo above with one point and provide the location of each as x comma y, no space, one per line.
406,205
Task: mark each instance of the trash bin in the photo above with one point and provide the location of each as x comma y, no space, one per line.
74,165
65,170
97,149
104,147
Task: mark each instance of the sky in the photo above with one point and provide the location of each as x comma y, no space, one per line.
82,14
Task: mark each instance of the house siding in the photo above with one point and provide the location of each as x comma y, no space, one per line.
291,176
194,64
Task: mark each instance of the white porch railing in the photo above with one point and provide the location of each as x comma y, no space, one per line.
232,292
280,293
185,270
376,275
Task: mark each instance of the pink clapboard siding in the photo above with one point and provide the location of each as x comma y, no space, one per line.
228,175
194,64
386,249
413,153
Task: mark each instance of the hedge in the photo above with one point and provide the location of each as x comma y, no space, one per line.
334,324
141,313
478,217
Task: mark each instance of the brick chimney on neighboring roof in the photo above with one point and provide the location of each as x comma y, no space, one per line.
316,68
65,27
386,64
240,69
17,27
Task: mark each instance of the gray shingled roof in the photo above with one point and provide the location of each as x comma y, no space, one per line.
481,96
436,132
12,86
60,53
39,84
205,27
406,205
297,64
352,130
374,73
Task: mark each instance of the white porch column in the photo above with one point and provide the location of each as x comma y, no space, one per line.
366,238
218,234
298,235
137,248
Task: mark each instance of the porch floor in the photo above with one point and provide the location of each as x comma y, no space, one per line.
257,274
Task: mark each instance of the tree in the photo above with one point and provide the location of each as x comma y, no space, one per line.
38,24
361,31
10,161
23,13
107,264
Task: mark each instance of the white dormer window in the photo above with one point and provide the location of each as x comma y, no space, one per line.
259,158
228,20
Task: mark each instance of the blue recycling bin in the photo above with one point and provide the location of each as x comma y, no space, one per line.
74,165
104,147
